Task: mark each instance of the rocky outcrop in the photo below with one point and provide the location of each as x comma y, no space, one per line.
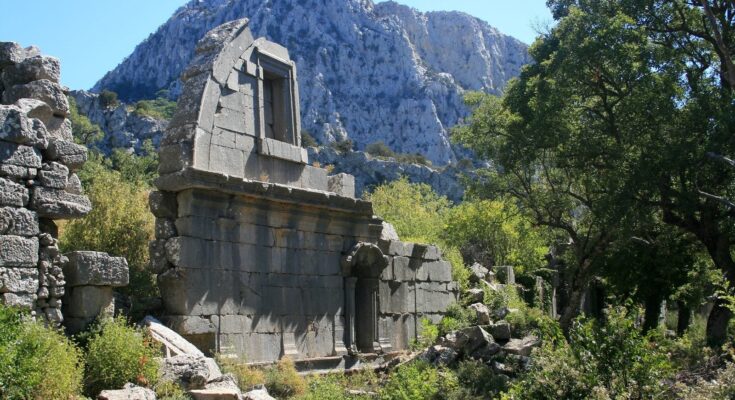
124,129
370,72
370,171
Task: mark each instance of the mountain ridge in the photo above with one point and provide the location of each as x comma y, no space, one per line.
368,72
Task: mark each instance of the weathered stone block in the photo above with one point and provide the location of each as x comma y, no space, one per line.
88,301
175,157
402,272
16,251
68,153
12,53
21,300
342,185
163,204
45,90
95,268
32,69
435,271
12,194
16,172
16,127
59,204
164,228
19,155
54,175
18,280
18,221
157,250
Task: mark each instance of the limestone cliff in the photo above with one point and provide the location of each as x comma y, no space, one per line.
370,72
124,129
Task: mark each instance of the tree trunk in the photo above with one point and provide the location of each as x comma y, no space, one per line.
684,316
652,313
574,303
719,319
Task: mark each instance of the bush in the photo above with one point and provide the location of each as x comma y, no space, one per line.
456,317
169,390
117,354
611,360
307,140
119,223
247,377
283,381
343,146
419,381
108,99
722,387
480,379
159,108
379,149
413,159
36,362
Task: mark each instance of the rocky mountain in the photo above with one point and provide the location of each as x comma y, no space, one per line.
368,72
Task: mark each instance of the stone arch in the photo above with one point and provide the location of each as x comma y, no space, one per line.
362,268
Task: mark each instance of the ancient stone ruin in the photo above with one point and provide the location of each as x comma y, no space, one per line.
38,184
260,254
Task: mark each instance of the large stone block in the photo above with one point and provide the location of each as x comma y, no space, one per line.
16,127
12,194
435,271
342,185
21,300
96,269
88,301
54,175
68,153
59,204
32,69
12,53
45,90
19,155
17,251
200,292
18,280
163,204
18,221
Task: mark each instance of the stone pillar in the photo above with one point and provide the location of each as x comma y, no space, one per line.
350,283
91,277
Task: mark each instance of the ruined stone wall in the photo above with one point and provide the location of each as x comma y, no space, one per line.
258,253
416,284
256,277
38,184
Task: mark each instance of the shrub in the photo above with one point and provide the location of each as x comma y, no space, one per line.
307,140
169,390
379,149
428,333
343,146
413,159
247,377
722,387
601,360
324,388
159,108
455,318
117,354
419,381
119,223
108,99
36,362
283,381
480,379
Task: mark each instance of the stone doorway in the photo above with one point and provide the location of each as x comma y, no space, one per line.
362,269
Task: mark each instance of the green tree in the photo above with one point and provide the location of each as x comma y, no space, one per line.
119,223
634,101
495,232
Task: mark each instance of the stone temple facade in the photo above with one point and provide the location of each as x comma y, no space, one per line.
38,185
260,254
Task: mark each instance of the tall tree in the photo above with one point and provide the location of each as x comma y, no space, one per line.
635,99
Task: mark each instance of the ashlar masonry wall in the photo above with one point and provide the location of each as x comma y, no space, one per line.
258,253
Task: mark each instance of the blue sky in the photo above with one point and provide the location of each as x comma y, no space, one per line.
92,36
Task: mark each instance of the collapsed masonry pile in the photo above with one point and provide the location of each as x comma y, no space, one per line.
38,183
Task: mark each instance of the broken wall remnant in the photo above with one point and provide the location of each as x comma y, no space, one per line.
38,182
258,253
